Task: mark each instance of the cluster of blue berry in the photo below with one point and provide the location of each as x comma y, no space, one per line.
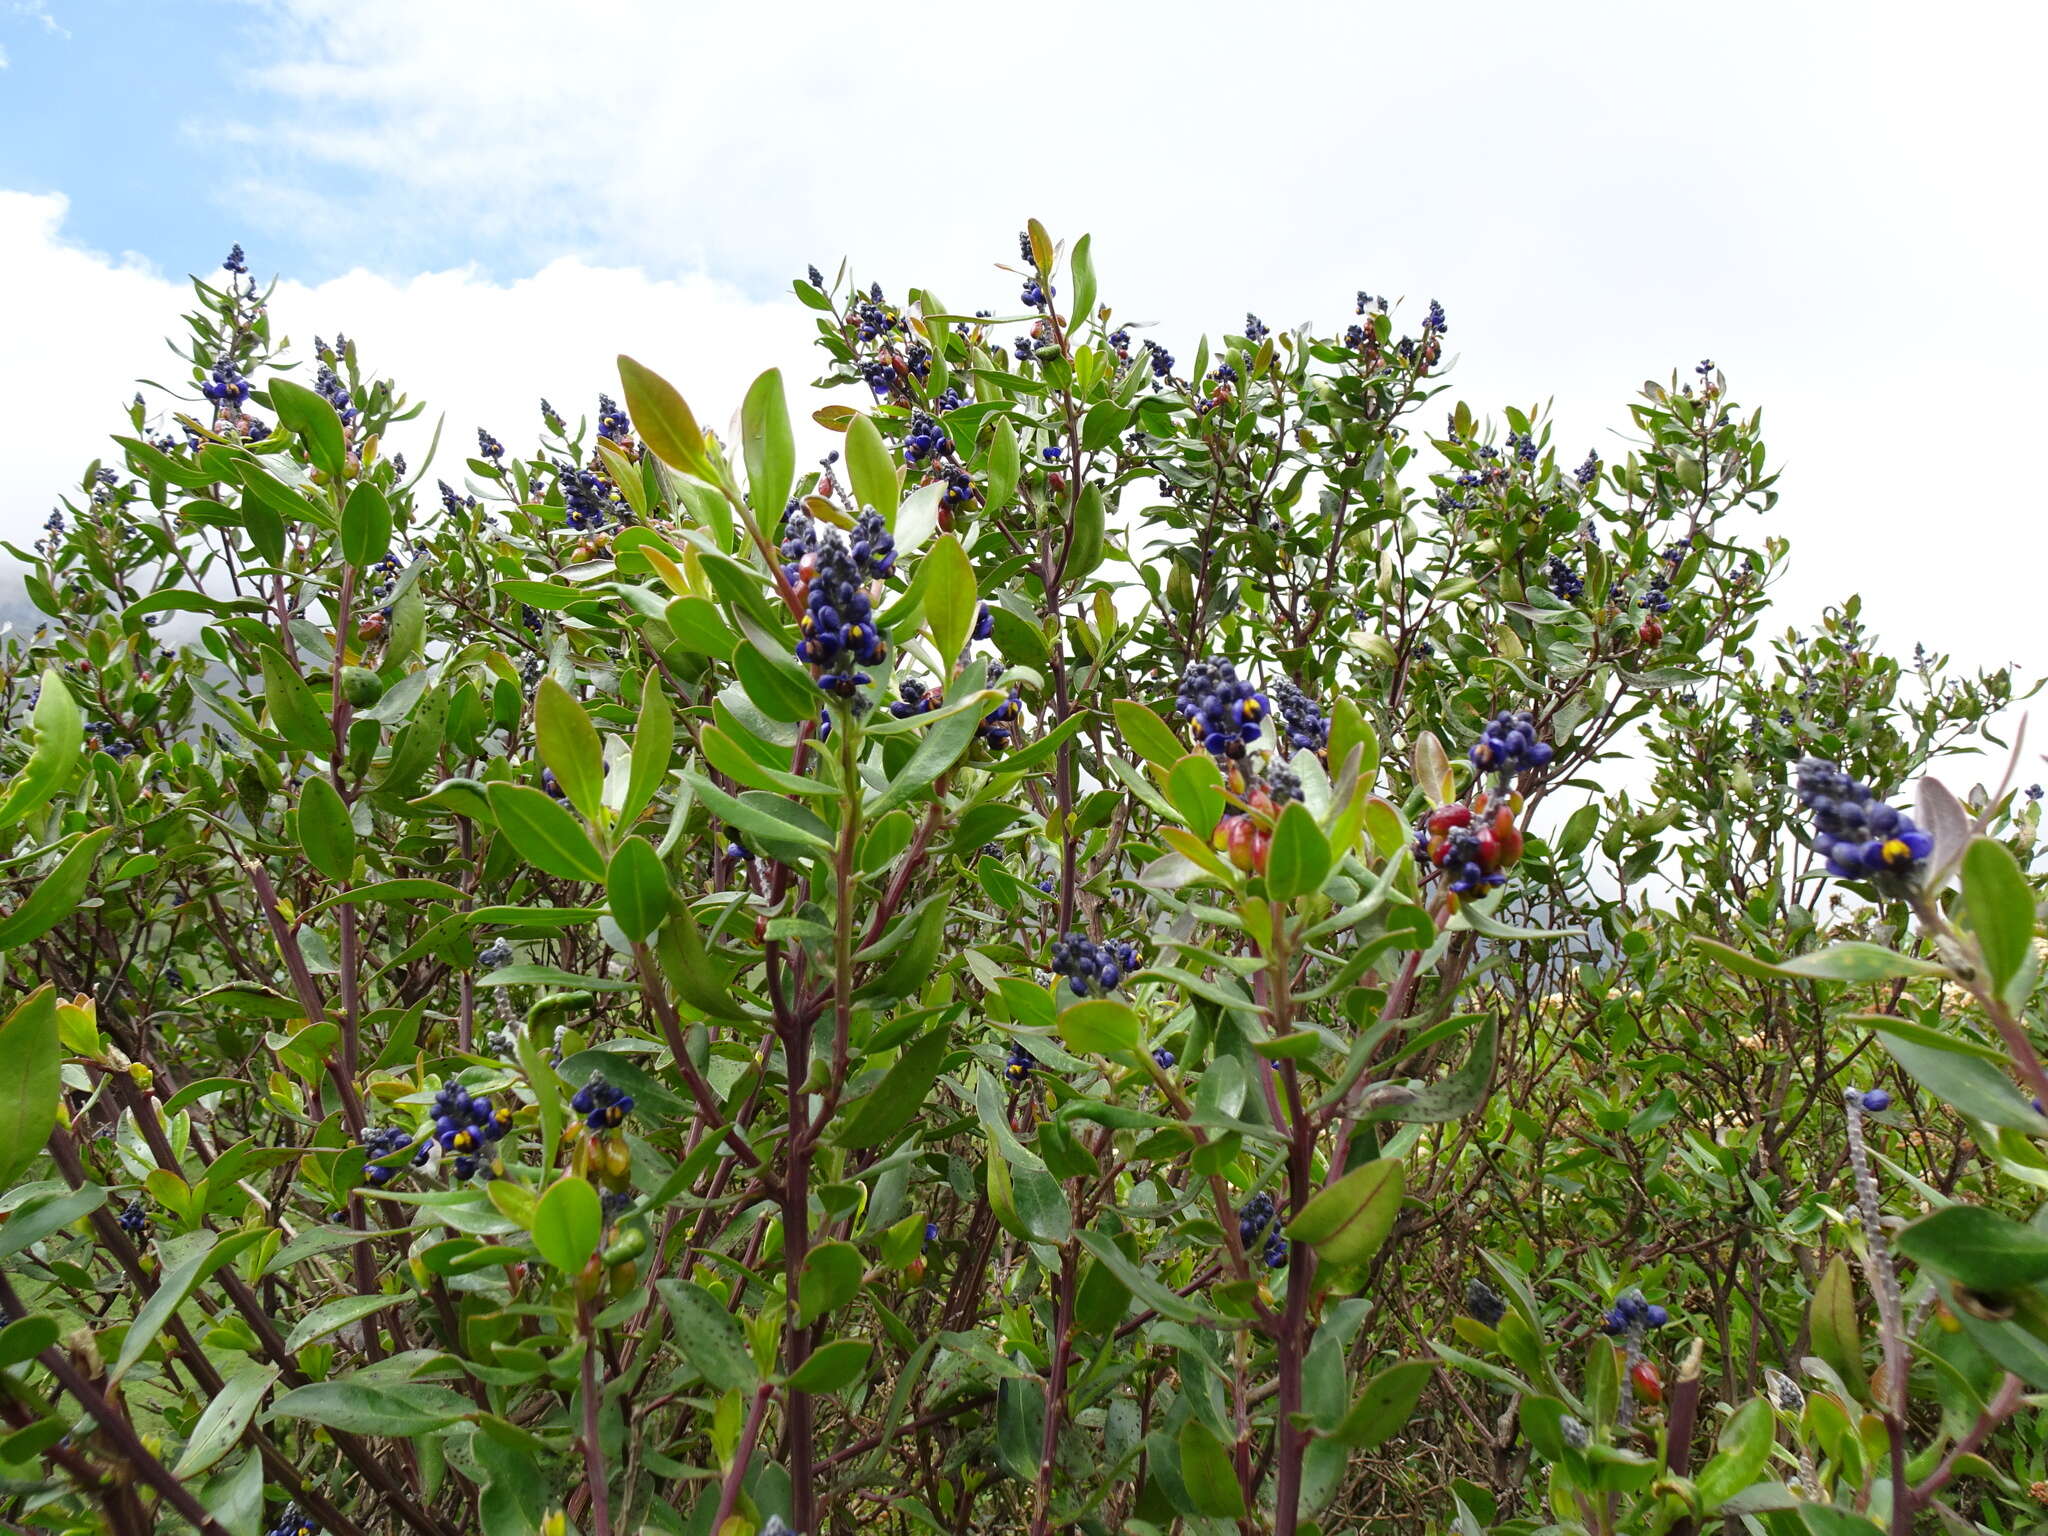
1524,444
102,736
488,446
291,1521
602,1105
1302,720
830,578
236,262
495,956
1258,1228
134,1219
612,423
1589,471
925,439
226,388
1254,328
1861,837
380,1143
462,1125
1091,969
1509,745
1483,1303
1564,581
1225,710
590,497
999,726
1017,1067
329,386
1632,1315
1162,362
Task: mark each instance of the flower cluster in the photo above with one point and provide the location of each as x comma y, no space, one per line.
1258,1226
602,1105
1224,709
1861,837
488,446
1302,720
1254,328
236,263
590,497
1091,969
1509,745
612,423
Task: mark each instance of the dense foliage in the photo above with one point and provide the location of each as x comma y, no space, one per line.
1154,945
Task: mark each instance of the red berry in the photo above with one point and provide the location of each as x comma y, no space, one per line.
1445,817
1649,1385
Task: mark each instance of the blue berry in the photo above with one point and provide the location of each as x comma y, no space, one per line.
1564,581
1860,837
1877,1101
601,1104
1483,1303
1164,1058
1091,969
1225,711
1509,745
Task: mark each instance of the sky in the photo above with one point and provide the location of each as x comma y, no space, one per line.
1838,203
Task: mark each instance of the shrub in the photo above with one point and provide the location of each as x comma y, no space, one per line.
1148,945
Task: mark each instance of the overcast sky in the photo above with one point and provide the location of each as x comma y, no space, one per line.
1838,203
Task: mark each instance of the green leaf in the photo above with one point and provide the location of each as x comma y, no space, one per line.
832,1367
709,1336
768,445
386,1407
31,1085
1744,1452
227,1415
325,831
1084,538
777,684
1384,1406
1831,1320
568,1223
1964,1081
1146,734
1840,962
950,598
1100,1026
1986,1251
544,834
829,1279
25,1338
34,1220
1827,1520
205,1255
1099,428
1998,904
1208,1472
365,526
307,413
1142,1283
57,896
663,419
1455,1096
569,745
1299,860
1347,1222
871,469
1082,264
943,743
638,889
1003,466
294,713
60,733
654,737
333,1316
1195,786
897,1100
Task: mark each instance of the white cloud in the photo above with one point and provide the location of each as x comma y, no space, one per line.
482,352
1826,200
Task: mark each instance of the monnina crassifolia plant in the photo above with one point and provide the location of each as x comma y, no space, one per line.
645,989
